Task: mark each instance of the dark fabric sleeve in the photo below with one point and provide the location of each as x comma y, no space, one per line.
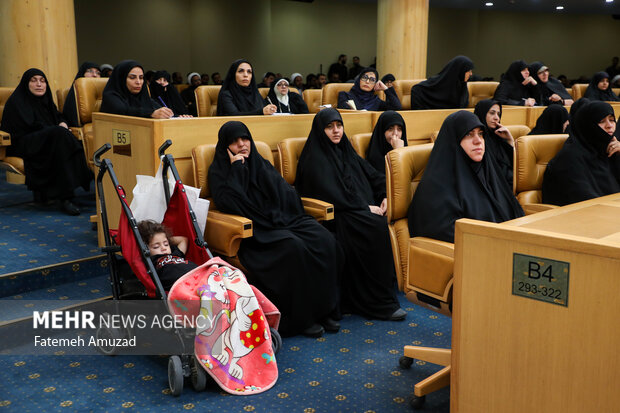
342,100
501,95
69,110
228,107
299,102
113,103
391,100
376,179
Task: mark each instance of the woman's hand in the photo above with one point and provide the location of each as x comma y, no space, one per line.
529,80
613,147
505,134
383,206
234,158
162,113
64,125
555,98
185,116
270,109
380,85
529,102
396,142
375,209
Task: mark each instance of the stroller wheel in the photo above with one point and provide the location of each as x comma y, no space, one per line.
198,375
175,375
109,336
276,340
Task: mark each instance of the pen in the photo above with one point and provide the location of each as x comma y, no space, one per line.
162,101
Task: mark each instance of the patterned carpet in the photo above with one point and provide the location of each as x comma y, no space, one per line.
355,370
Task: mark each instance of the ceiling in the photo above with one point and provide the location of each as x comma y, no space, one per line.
542,6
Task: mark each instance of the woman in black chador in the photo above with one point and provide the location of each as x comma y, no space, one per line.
126,94
239,95
550,90
54,159
164,92
69,110
498,140
389,133
600,88
553,120
446,90
330,170
362,94
285,100
461,180
517,87
291,257
588,165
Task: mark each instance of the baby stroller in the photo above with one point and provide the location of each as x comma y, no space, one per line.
133,275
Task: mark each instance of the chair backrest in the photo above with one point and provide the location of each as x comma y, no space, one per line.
5,93
313,97
202,158
181,87
206,99
289,151
518,130
405,167
403,90
61,96
579,89
360,142
330,92
479,91
570,92
88,95
533,153
616,90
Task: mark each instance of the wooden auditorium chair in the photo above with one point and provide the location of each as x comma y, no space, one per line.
329,95
61,97
424,266
181,87
518,130
579,89
289,151
403,90
479,91
532,154
206,99
12,164
313,97
88,96
360,142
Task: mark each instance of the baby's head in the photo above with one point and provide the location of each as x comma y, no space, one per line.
155,236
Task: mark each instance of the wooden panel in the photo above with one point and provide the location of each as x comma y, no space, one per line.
514,354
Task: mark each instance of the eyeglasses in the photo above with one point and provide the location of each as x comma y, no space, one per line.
368,79
282,84
93,71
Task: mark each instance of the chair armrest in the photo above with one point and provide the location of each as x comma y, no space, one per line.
5,138
322,211
434,245
224,232
534,208
77,132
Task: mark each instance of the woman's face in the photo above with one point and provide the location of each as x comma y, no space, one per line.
493,117
162,81
135,80
37,85
282,87
368,81
603,84
92,72
244,74
525,73
393,132
468,75
473,144
241,146
608,124
544,76
334,131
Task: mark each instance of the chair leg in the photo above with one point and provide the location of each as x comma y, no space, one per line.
433,383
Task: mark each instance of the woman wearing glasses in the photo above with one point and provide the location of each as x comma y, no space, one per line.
446,90
285,100
362,94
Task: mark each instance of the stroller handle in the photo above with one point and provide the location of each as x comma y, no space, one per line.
106,147
163,147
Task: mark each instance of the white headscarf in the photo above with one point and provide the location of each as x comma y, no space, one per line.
190,76
294,75
281,98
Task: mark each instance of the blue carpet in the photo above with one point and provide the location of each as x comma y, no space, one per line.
355,370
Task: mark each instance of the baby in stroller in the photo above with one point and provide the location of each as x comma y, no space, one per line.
167,252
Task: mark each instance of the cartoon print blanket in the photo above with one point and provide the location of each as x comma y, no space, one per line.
232,320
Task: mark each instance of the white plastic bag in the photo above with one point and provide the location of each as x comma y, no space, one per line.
199,205
149,200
